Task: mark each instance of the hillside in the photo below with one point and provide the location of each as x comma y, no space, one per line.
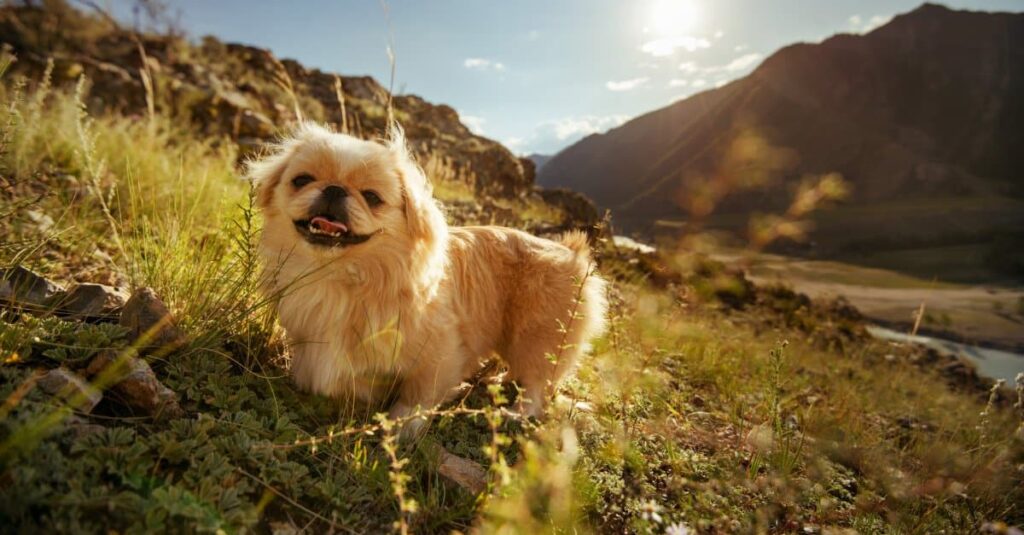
144,381
921,117
242,92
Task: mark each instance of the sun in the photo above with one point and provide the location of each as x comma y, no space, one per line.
672,17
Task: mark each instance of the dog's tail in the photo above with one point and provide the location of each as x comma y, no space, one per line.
576,240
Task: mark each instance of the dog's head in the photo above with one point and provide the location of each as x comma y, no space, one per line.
325,194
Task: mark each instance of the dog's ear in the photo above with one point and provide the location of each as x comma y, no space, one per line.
266,172
423,215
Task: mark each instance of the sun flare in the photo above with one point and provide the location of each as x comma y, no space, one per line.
672,17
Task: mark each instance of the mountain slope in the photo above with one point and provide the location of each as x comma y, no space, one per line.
239,91
925,107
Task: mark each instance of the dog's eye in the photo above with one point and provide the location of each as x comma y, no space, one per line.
372,198
302,180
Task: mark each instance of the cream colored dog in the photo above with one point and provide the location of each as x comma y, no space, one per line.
376,291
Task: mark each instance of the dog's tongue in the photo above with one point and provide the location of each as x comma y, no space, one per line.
327,225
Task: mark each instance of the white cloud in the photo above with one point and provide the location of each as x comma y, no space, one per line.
550,137
743,62
699,82
676,82
532,35
626,85
719,34
860,25
737,65
666,46
515,144
689,67
720,83
740,48
475,123
482,64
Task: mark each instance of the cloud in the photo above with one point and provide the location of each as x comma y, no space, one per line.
514,144
626,85
719,34
475,123
532,35
739,64
676,82
743,62
699,82
482,64
689,67
666,46
860,25
550,137
740,48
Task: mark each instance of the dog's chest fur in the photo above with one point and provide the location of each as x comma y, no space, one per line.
343,340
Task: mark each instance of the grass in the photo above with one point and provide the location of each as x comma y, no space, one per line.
686,414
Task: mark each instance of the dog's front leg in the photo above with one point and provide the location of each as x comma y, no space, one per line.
428,386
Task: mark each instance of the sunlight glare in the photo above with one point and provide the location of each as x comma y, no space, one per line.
672,17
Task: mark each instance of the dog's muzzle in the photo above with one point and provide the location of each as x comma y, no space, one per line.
328,224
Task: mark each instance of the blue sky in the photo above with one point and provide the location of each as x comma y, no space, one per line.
539,74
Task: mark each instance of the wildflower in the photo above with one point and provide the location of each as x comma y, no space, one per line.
677,528
650,510
14,358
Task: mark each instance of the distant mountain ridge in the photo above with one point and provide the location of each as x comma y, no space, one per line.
926,107
539,160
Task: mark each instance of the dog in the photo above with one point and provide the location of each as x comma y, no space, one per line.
381,299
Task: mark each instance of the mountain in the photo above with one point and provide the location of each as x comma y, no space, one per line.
539,160
923,117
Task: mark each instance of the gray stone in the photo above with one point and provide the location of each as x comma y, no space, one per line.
150,323
22,287
134,383
72,389
89,300
463,472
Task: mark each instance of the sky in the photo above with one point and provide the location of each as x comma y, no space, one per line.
538,75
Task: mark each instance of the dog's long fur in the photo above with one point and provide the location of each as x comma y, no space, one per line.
418,304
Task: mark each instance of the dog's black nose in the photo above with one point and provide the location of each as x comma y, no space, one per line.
331,203
334,193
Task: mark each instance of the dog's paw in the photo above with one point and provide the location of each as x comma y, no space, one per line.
412,424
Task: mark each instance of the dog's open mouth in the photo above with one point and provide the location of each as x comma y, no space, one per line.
326,231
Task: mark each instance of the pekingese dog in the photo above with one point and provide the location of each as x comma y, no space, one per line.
381,299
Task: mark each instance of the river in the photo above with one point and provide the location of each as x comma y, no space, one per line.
993,363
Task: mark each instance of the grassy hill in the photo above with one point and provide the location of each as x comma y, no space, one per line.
711,406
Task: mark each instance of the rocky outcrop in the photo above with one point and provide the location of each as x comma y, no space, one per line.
240,91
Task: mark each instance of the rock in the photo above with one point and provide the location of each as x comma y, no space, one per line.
529,170
579,210
23,287
134,383
72,389
463,472
89,300
81,427
149,322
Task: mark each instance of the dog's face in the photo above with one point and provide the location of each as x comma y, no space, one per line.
324,193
